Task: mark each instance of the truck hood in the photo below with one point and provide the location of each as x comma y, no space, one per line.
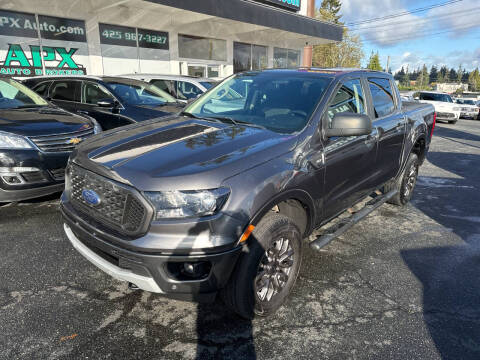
40,121
179,153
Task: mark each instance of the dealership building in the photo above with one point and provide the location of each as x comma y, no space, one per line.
211,38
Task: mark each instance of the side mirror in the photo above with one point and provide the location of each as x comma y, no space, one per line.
107,103
349,124
416,98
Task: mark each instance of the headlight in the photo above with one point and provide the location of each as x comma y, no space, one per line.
10,141
184,204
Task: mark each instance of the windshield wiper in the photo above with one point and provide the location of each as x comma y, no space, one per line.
29,106
223,119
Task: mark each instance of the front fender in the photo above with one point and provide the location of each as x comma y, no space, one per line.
258,190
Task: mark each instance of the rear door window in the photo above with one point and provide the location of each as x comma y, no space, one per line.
92,93
165,85
186,90
65,90
42,88
382,96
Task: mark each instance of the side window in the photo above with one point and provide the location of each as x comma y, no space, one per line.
383,101
42,89
64,90
349,98
92,93
165,85
186,90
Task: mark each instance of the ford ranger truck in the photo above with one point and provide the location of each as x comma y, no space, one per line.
219,198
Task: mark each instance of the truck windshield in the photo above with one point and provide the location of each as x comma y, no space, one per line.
139,93
281,101
14,95
436,97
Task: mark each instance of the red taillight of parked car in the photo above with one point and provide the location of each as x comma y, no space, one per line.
434,122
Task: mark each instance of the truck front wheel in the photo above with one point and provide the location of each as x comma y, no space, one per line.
405,184
266,272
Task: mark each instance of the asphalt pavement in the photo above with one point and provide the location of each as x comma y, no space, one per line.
402,284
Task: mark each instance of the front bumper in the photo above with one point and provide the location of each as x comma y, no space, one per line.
27,174
469,114
153,272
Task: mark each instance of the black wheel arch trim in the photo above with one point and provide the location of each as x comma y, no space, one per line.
294,194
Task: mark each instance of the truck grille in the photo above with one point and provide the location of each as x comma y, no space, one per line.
120,207
445,115
65,142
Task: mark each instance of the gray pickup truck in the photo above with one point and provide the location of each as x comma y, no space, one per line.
222,197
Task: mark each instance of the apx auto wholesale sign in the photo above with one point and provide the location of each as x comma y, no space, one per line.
63,49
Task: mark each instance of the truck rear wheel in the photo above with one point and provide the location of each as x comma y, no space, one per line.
405,184
265,274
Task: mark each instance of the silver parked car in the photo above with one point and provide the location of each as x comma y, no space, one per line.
181,87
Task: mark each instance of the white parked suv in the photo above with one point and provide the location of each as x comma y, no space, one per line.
469,108
181,87
445,108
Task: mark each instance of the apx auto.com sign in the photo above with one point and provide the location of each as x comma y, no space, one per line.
288,4
22,55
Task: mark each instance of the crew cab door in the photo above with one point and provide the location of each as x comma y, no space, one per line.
390,122
107,117
65,94
349,161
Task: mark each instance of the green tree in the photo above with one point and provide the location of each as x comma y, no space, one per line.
423,78
348,52
330,9
460,73
433,74
374,62
474,80
452,75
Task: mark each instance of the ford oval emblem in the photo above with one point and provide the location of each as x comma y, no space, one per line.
91,197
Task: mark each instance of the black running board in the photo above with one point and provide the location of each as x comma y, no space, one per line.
372,205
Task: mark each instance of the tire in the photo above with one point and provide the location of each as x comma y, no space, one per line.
408,179
453,122
246,287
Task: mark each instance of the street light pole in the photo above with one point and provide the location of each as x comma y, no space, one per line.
308,49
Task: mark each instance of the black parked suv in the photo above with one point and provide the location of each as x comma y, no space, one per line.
112,101
36,139
220,197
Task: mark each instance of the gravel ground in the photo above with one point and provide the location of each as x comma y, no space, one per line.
401,284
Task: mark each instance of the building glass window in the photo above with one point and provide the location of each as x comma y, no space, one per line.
194,47
249,57
286,58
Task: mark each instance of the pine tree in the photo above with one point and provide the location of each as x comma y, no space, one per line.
332,8
374,62
348,52
452,75
460,73
433,74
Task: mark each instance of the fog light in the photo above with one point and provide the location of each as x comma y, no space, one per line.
12,179
184,271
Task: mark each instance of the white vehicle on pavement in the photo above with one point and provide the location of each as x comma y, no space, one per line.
445,108
181,87
469,109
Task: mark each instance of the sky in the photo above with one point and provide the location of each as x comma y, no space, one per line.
444,35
